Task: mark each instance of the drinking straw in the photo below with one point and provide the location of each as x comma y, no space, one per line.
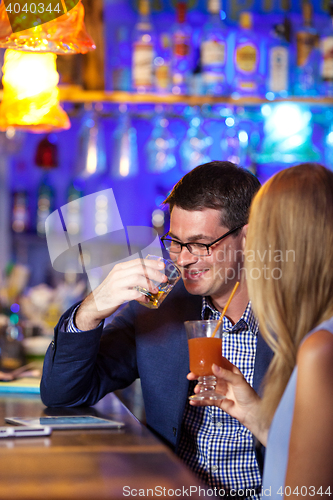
225,309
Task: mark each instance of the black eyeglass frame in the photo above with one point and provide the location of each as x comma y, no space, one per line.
207,245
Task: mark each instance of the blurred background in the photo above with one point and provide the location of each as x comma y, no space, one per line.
169,85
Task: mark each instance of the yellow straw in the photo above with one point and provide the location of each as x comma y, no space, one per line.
64,6
225,309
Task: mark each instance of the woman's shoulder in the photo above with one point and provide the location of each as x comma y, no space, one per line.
315,356
319,343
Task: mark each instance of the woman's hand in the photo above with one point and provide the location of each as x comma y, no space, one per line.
241,401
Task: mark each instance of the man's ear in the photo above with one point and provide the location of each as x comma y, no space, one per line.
244,233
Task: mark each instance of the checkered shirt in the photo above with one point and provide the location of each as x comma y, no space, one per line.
214,445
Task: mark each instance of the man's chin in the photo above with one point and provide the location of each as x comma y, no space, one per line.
195,288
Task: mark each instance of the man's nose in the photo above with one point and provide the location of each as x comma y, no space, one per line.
185,257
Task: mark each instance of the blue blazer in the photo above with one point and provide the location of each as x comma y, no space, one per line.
81,368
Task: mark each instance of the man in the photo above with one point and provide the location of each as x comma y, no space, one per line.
209,212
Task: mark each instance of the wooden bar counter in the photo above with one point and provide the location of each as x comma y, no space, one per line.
89,464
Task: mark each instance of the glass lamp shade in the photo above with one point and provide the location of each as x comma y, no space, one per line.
62,35
30,94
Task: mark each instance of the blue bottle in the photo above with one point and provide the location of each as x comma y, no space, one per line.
248,78
182,53
326,47
308,56
213,52
279,60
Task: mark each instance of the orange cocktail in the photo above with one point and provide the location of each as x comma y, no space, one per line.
204,351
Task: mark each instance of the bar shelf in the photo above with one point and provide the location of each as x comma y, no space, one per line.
78,95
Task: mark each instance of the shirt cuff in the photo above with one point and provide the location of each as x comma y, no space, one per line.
70,327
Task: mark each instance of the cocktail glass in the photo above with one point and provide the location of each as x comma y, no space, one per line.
173,275
204,350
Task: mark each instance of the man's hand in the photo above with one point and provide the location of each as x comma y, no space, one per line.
117,288
241,401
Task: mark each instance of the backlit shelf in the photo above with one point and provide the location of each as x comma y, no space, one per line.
78,95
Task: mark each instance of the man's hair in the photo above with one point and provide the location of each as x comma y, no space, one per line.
220,185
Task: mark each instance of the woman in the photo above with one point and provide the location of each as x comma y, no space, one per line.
289,267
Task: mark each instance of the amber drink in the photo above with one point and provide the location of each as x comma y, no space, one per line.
173,276
204,351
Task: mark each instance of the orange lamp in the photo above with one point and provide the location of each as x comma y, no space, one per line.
29,31
30,94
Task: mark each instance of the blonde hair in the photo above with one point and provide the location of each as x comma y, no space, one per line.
289,253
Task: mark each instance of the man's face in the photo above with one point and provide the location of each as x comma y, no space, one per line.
212,275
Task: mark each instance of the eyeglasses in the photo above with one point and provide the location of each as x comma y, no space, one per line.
198,249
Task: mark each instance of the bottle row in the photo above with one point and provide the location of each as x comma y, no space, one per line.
27,218
157,152
220,60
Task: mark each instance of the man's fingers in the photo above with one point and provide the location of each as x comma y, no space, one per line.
154,264
150,273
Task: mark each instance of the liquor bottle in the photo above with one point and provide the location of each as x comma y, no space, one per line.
162,64
11,346
46,156
326,45
213,52
248,79
44,205
121,72
73,213
20,212
279,60
307,55
143,50
196,87
21,198
182,63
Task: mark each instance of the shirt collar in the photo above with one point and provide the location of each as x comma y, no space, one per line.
248,321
